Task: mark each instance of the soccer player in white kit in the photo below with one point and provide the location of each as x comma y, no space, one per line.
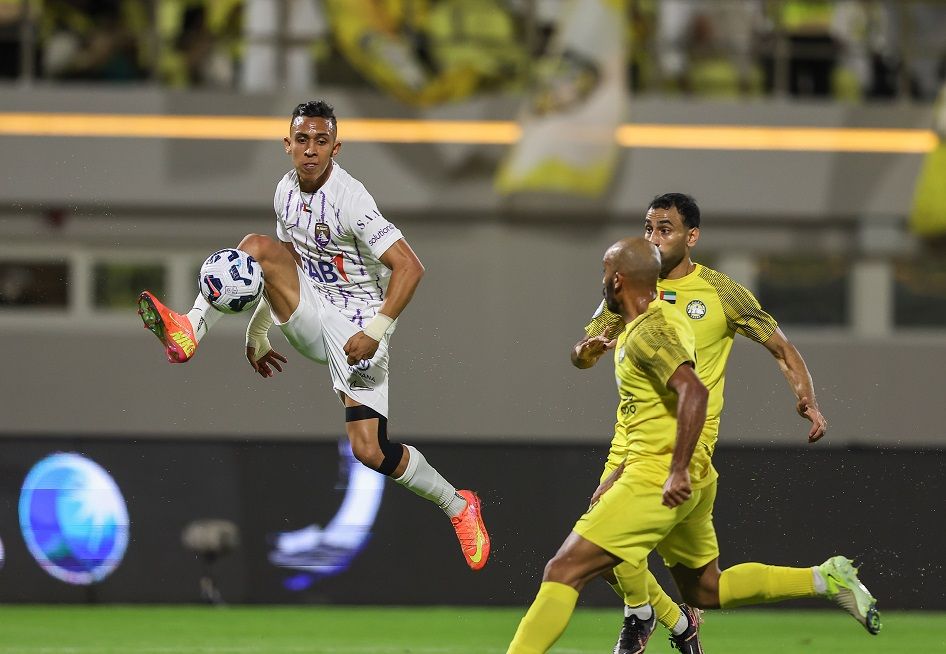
336,279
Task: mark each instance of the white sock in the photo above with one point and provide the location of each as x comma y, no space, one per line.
821,586
422,479
644,611
681,625
202,317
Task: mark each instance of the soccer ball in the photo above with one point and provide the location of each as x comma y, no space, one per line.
231,280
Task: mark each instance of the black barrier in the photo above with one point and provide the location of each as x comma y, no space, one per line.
781,506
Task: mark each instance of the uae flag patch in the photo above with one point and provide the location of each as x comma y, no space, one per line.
669,296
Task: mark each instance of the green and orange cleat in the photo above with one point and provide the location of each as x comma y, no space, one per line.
471,532
172,329
844,588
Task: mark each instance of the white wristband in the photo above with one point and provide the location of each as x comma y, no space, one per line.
258,329
378,326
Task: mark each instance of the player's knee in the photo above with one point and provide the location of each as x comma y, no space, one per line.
366,452
562,570
258,246
368,434
383,458
555,570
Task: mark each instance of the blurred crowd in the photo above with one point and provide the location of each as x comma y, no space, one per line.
843,49
176,42
429,51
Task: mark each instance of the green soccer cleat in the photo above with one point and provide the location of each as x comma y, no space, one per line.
843,587
173,329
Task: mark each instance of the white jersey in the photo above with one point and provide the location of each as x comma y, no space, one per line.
340,235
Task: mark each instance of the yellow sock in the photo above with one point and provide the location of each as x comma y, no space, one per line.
632,581
637,586
755,583
545,620
667,611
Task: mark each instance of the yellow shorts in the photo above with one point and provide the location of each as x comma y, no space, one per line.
616,457
629,521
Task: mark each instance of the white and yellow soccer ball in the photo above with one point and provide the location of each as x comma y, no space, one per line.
231,280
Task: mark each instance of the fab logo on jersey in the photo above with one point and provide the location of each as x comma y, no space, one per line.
325,271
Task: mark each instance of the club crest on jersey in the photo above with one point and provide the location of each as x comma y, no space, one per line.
322,234
696,309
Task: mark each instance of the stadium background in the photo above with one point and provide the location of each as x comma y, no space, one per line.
481,374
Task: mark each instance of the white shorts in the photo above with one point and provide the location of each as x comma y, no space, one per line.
319,331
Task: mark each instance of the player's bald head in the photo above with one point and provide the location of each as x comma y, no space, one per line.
636,259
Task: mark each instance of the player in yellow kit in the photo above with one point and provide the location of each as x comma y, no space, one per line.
717,308
661,495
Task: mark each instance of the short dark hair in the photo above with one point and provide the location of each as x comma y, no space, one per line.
315,109
683,203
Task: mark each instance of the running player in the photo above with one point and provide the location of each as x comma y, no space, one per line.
661,495
717,308
337,277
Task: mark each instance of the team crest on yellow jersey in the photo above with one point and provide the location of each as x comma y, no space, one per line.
696,309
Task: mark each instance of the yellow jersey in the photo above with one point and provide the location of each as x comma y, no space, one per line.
648,352
716,308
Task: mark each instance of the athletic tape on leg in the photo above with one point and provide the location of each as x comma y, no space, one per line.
392,451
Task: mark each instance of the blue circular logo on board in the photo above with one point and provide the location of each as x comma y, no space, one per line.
73,518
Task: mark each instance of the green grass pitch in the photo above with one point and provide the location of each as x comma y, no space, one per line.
426,630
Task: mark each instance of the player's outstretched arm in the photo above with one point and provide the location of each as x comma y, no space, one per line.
589,349
691,414
265,360
406,273
792,365
600,336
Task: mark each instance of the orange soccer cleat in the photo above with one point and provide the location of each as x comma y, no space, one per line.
471,532
172,329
